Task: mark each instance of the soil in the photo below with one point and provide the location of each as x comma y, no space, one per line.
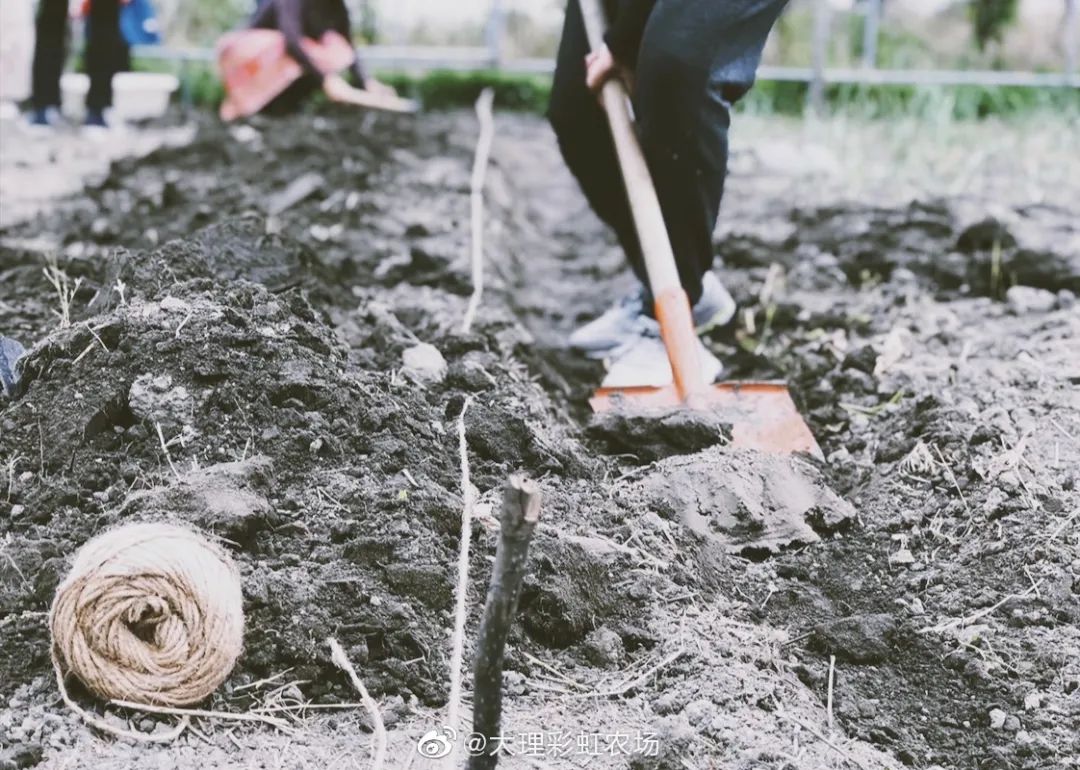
233,357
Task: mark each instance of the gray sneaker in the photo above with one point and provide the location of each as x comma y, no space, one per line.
716,306
624,320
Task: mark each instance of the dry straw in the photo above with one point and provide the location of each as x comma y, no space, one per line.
151,614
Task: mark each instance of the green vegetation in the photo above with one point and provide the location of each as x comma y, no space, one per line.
884,101
990,18
445,90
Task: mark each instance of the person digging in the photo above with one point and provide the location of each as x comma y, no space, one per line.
292,49
686,62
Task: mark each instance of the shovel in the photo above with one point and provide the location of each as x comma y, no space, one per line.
255,67
761,414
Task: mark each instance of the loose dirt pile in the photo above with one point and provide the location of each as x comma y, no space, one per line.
249,372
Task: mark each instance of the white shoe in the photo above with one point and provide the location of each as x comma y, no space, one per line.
716,306
645,363
622,322
627,320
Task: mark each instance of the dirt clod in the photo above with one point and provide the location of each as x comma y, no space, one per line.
862,639
603,647
1026,299
747,500
650,437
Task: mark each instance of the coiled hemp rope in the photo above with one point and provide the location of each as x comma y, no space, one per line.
150,613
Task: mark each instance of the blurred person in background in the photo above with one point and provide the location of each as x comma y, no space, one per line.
298,19
105,55
686,63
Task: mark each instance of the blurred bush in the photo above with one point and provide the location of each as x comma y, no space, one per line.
444,90
965,102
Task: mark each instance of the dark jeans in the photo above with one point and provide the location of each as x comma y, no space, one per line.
106,52
697,58
292,99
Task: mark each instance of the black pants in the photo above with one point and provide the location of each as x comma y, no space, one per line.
106,52
697,58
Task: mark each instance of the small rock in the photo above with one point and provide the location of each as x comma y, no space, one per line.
1012,724
699,711
10,352
670,702
393,709
101,228
983,432
839,457
863,359
652,520
673,735
603,647
296,191
147,725
155,399
21,755
118,723
424,362
902,557
514,683
172,304
848,710
1027,299
1032,701
997,719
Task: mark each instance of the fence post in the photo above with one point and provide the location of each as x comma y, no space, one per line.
820,55
185,84
1070,34
496,27
870,33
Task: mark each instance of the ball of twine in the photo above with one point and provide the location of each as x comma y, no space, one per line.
150,613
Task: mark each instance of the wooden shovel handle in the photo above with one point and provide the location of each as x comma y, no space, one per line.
645,206
672,307
361,98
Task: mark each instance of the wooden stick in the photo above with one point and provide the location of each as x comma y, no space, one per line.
457,644
244,716
476,200
967,621
832,675
341,660
360,98
95,721
817,734
637,681
520,513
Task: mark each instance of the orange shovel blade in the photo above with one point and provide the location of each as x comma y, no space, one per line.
762,414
